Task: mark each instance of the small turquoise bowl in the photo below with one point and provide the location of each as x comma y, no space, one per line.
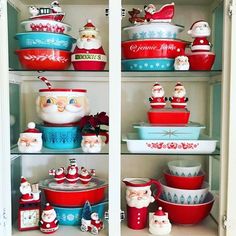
61,137
157,64
45,40
72,216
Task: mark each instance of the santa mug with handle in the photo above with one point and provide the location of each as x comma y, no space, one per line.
138,198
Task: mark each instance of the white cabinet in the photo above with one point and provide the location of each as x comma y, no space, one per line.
124,95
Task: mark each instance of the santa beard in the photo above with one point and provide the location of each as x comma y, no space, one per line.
158,94
49,217
91,147
72,171
161,226
84,43
25,189
139,202
179,93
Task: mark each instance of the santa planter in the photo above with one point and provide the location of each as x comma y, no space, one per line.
49,222
201,58
157,100
159,223
89,54
30,140
179,100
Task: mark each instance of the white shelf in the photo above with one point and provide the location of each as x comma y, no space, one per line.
207,228
67,2
177,2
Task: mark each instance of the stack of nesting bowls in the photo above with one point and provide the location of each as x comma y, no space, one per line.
185,194
152,46
44,45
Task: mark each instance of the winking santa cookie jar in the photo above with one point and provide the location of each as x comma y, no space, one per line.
89,53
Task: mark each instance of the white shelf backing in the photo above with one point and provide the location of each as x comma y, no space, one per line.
207,228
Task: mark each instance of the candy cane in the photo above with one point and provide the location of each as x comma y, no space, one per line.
45,81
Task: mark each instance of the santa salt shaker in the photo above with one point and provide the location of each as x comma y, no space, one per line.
89,53
49,223
59,174
179,100
159,223
85,176
30,140
200,30
157,100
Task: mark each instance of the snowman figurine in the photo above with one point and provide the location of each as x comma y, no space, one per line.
200,30
30,140
157,100
159,223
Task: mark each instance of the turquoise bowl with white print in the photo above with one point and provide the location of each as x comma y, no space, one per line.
45,40
154,64
184,196
72,216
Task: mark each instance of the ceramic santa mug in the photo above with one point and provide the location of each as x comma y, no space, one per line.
62,106
92,143
138,198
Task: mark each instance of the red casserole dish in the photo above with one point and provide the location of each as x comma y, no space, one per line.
74,195
153,48
187,214
44,59
169,116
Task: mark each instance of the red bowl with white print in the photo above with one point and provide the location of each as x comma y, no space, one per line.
153,48
61,106
44,59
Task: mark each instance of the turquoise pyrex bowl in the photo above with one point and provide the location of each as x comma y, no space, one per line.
61,137
45,40
156,64
72,216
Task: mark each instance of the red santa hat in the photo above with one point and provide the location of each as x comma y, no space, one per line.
88,27
196,23
23,180
48,208
31,128
156,85
159,212
179,85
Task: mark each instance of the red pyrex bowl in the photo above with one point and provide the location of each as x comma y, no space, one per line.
77,197
168,116
201,60
44,59
187,214
183,182
153,48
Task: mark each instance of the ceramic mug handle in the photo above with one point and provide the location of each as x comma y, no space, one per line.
106,135
158,187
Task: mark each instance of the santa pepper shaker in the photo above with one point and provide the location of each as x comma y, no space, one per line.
157,100
49,222
179,100
89,53
138,198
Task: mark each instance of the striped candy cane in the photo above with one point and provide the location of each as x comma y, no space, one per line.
45,81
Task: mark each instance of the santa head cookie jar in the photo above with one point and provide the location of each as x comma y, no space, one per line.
159,223
30,140
179,100
49,222
89,53
157,100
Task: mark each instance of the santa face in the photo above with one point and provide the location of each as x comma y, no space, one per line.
179,92
91,144
84,173
59,171
138,198
94,216
158,92
72,170
159,225
30,142
49,216
150,9
62,109
25,188
181,63
89,39
200,29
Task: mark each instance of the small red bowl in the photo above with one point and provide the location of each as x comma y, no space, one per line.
183,182
44,59
153,48
169,116
187,214
201,60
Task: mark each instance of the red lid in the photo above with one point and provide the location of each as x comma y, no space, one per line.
159,212
31,128
63,90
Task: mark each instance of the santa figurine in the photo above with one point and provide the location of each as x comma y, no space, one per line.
49,222
59,174
26,191
157,100
200,30
89,53
95,221
85,176
30,140
179,100
72,175
181,63
55,7
159,223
